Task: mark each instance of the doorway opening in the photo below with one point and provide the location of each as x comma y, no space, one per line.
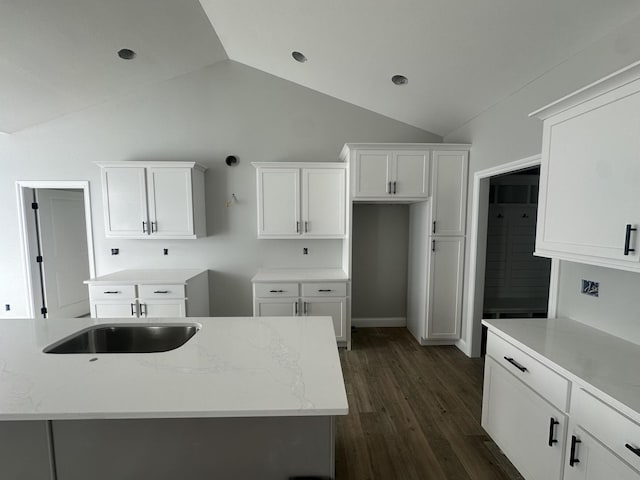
505,279
57,244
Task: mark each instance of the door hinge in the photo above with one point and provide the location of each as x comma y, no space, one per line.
39,259
43,310
34,205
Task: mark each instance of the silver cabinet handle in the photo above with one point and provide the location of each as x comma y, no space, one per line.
276,291
144,227
433,245
306,227
297,227
161,291
111,291
154,227
133,310
296,307
325,290
143,309
394,187
627,239
433,230
304,305
389,188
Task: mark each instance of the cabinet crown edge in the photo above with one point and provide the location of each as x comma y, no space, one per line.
401,146
152,163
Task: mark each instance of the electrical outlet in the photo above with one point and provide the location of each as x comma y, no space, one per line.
591,288
7,307
305,251
165,251
115,251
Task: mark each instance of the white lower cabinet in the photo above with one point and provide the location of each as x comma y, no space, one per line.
528,429
110,309
162,309
328,299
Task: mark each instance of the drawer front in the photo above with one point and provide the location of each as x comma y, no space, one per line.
161,291
325,289
273,290
547,383
608,425
112,292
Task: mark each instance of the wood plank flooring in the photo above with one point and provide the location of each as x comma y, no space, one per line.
414,413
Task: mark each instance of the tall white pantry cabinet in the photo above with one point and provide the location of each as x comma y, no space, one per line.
432,179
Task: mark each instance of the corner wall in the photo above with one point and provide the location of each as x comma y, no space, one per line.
504,133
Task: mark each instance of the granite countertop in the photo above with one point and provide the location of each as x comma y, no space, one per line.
232,367
583,354
157,277
300,275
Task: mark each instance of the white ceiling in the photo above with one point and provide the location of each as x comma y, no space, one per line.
461,56
59,56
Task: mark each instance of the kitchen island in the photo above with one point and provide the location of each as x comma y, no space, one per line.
243,398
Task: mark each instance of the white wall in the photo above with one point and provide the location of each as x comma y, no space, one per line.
504,133
204,116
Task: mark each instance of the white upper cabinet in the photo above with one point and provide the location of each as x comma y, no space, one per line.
390,175
162,200
301,200
449,192
589,210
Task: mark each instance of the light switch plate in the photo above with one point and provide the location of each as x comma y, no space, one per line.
591,288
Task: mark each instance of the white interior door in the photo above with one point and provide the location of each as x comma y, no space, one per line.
63,243
323,201
170,201
125,202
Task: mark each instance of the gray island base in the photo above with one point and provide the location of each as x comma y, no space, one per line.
262,448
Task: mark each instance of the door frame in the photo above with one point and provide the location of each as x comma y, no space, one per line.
21,186
478,251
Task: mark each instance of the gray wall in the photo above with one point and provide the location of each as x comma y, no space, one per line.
504,133
379,261
206,115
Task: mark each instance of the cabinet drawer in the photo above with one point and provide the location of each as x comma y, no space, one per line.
328,289
161,291
112,292
549,384
266,290
609,426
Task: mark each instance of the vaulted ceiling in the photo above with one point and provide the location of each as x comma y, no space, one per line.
460,56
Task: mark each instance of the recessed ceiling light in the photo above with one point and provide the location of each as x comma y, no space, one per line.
399,79
126,54
299,57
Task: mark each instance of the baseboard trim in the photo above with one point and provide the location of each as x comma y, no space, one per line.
379,322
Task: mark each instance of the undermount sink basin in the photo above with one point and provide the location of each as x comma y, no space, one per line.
125,338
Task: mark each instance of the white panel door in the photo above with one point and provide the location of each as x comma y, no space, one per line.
278,202
170,202
445,287
125,202
275,307
520,422
63,243
410,174
162,309
323,202
589,177
449,192
371,175
114,310
594,460
336,308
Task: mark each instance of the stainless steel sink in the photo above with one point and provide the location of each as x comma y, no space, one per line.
125,338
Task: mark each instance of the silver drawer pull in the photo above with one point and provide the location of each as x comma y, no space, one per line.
276,291
161,291
111,291
325,290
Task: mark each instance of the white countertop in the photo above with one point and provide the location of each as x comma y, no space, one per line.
300,275
608,363
232,367
153,277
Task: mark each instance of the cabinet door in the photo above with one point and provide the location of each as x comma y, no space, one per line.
275,307
410,174
588,182
330,307
124,196
594,460
170,202
114,310
520,422
323,202
371,174
162,309
449,192
278,202
445,287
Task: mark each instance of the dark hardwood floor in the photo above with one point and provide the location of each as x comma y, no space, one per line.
414,413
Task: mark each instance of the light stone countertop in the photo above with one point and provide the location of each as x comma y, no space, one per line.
300,275
152,276
584,354
232,367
